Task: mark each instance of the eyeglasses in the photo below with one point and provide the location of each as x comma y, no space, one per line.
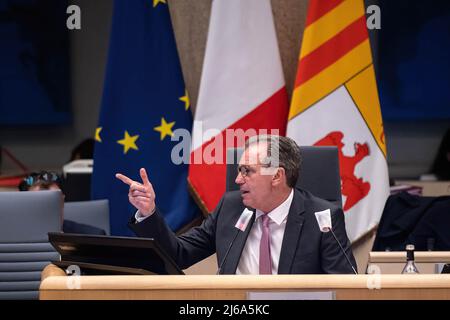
245,170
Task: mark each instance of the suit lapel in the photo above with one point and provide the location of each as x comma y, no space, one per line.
294,225
236,250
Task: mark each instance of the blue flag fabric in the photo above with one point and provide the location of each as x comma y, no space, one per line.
144,101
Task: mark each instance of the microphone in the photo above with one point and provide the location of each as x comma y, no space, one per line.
324,220
240,225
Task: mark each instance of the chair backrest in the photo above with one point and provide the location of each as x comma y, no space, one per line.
25,220
94,213
76,182
319,173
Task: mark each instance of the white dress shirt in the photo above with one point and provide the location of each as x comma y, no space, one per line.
139,217
249,261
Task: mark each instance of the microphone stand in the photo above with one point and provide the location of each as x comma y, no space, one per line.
343,251
226,253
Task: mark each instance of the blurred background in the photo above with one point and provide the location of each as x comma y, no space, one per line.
51,78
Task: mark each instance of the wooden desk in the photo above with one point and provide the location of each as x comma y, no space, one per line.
430,188
394,261
54,285
400,256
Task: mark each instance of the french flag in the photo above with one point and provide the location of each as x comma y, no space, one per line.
242,88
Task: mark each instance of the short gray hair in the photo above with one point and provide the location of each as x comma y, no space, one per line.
281,152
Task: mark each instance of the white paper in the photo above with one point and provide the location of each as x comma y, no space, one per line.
324,220
244,219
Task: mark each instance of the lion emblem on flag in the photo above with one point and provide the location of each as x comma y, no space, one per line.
354,188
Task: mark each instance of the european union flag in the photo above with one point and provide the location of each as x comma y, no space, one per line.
144,101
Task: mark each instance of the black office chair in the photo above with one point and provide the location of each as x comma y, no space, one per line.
94,213
319,173
25,220
77,186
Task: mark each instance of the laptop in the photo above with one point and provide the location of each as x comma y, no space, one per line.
105,255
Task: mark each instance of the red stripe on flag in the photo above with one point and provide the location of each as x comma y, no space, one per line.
318,8
208,180
332,50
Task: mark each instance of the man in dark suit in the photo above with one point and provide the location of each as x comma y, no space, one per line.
283,236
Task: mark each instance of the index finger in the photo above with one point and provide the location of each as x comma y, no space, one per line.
124,179
144,177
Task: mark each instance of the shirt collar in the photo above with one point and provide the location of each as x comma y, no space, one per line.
279,214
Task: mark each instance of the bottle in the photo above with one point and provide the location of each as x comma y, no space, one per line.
410,267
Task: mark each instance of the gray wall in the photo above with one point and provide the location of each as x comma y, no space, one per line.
411,147
50,147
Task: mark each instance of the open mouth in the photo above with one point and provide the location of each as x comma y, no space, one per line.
243,192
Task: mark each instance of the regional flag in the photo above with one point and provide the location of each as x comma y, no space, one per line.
335,102
144,102
242,91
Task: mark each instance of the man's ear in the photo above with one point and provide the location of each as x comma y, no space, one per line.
279,177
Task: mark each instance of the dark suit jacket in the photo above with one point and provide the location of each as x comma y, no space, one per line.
411,219
305,249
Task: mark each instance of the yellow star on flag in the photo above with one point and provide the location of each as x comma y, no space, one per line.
185,99
165,128
97,134
156,2
128,142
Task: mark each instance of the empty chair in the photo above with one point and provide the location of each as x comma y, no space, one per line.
319,173
25,220
93,213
